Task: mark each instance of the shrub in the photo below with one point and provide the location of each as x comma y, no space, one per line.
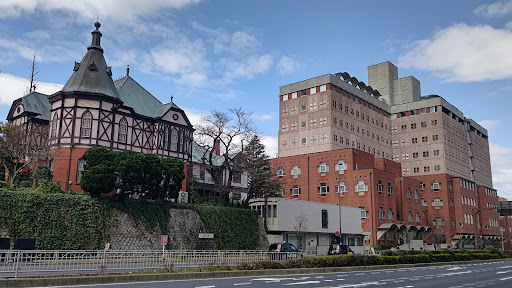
462,257
442,257
4,184
25,184
483,256
46,186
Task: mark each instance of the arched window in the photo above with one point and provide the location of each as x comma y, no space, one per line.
85,128
182,136
166,137
123,130
174,140
80,169
55,122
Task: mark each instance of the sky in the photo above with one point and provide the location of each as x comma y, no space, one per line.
214,55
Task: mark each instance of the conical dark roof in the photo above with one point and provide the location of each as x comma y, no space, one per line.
92,75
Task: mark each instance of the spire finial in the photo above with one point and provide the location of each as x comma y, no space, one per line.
172,98
128,70
97,24
96,37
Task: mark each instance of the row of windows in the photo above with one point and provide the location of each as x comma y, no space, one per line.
359,115
426,169
469,201
413,112
424,139
362,131
171,138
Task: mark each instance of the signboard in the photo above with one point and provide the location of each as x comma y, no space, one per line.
205,235
337,233
165,239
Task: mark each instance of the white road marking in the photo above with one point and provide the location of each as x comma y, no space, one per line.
508,278
328,280
502,272
504,267
302,283
359,285
454,268
240,284
375,272
205,286
359,274
319,277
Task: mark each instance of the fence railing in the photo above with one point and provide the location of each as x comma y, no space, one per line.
18,263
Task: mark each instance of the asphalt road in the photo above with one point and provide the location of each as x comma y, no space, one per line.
497,274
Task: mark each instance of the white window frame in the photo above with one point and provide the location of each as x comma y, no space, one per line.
280,172
323,190
86,124
295,191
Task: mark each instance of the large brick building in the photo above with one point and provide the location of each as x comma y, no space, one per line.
93,110
401,157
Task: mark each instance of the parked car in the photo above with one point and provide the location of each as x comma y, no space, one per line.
337,249
282,247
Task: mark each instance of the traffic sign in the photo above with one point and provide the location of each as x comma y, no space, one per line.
165,239
337,233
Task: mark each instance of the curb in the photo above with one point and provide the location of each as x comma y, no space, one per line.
124,278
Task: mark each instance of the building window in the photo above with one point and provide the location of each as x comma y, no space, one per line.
323,189
409,193
302,92
409,217
323,168
436,186
435,137
390,189
360,187
303,124
414,140
437,203
437,168
55,123
280,172
416,169
303,141
426,169
425,154
416,195
415,155
202,174
85,128
123,130
295,171
295,191
79,169
433,122
364,213
423,124
390,215
341,188
424,139
303,108
436,152
166,137
325,219
413,125
381,213
380,188
237,177
174,140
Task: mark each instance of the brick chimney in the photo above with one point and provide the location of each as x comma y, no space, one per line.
216,146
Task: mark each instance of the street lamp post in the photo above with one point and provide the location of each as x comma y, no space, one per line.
339,207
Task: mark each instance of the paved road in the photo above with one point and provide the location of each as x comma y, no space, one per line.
497,274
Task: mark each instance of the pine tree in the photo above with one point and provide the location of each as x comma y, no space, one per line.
262,178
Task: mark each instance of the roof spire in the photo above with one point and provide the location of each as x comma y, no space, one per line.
128,70
96,37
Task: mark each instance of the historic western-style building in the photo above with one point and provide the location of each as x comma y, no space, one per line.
402,158
94,110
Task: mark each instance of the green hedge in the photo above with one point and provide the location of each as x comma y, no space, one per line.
57,221
233,228
73,221
405,257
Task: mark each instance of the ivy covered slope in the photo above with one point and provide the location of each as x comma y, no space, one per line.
57,220
233,228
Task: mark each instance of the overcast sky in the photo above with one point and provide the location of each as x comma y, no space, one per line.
221,54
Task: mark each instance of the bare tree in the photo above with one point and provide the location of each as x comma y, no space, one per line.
301,226
34,70
439,233
223,137
22,146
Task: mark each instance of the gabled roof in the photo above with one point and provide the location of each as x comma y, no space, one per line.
36,103
135,96
92,75
198,152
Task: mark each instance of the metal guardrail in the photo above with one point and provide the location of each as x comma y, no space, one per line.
18,263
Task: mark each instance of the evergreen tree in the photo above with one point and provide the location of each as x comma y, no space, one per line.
262,178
